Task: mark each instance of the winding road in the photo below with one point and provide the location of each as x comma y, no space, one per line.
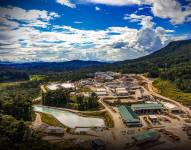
152,92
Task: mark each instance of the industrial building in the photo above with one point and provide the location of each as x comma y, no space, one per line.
128,116
171,107
101,92
120,91
54,130
148,136
147,108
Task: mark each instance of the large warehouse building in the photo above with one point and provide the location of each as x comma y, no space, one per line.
147,108
144,137
128,116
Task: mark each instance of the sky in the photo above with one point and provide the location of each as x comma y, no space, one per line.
99,30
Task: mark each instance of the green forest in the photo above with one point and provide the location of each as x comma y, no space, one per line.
15,115
62,98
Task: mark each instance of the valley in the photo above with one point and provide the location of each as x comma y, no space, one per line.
169,117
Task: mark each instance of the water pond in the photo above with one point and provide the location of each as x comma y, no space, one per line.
70,119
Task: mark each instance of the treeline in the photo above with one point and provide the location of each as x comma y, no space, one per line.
62,98
59,97
15,109
12,75
86,103
16,100
16,135
180,75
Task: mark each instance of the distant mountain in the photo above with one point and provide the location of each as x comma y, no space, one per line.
50,66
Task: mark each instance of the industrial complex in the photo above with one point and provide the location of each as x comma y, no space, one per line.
141,117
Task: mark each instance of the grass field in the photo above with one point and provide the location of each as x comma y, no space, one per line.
7,84
169,89
36,77
50,120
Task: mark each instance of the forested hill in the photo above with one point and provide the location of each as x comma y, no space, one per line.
172,62
51,66
177,52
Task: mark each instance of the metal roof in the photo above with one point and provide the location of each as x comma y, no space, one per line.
128,115
146,106
145,136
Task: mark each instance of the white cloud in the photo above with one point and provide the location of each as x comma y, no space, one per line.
8,24
97,8
66,3
144,21
171,9
78,22
66,43
112,2
11,16
133,17
26,15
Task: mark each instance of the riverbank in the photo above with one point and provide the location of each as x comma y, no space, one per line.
50,120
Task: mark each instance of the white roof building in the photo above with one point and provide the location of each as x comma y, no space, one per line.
121,91
101,93
100,90
67,85
153,117
170,106
54,130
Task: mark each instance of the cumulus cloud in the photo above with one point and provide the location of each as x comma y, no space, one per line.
144,21
67,3
11,16
171,9
65,43
149,40
26,15
112,2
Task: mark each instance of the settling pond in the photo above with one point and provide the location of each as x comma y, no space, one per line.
70,119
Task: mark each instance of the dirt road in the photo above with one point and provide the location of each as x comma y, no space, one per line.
150,88
119,126
38,122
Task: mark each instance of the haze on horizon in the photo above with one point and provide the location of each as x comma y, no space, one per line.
101,30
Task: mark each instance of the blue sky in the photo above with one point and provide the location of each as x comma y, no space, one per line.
103,30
